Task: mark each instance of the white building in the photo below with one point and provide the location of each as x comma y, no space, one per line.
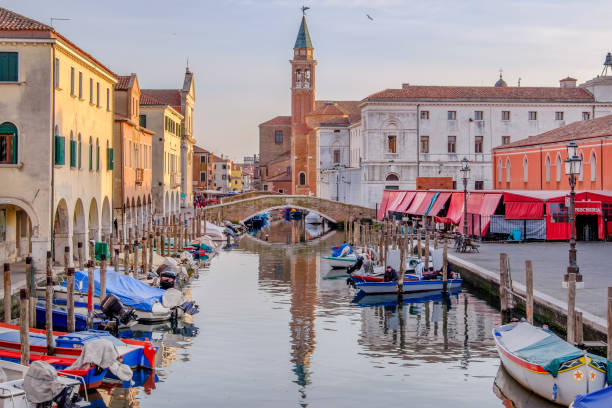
223,168
425,131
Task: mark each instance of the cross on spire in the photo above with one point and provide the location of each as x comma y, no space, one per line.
304,8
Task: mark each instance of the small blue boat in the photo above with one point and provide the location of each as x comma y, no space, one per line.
597,399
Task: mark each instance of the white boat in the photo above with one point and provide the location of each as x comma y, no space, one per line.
341,261
12,392
381,288
544,363
313,218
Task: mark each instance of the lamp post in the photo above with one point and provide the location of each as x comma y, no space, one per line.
573,165
465,170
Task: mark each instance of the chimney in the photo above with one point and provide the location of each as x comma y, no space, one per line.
568,82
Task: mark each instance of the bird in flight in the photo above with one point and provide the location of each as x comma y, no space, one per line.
370,17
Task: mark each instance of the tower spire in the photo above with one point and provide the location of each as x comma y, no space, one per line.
303,37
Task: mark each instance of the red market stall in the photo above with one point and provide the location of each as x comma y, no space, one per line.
455,210
439,204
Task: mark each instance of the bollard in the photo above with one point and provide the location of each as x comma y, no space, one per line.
31,289
400,282
529,289
70,300
126,259
571,309
136,258
67,262
116,260
419,253
49,307
24,320
102,277
7,293
426,251
445,269
90,293
150,263
144,255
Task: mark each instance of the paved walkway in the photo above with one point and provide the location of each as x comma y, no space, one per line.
550,260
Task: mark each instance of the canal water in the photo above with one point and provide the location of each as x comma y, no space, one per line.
277,328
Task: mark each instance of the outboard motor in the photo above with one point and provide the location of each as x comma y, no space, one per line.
114,309
167,279
356,266
43,388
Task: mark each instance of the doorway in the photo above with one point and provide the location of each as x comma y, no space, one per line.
587,227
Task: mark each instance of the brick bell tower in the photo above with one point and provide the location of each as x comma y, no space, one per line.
303,144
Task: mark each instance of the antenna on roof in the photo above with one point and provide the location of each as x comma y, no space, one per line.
58,19
607,64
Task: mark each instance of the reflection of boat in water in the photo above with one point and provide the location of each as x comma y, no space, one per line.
336,273
314,230
391,300
313,218
409,286
514,394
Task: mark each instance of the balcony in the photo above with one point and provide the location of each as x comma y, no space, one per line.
139,176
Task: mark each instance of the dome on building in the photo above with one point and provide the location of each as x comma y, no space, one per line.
500,82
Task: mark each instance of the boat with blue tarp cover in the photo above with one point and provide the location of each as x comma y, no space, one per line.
342,256
597,399
546,364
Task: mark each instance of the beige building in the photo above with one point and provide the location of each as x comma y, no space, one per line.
56,138
165,121
133,159
182,100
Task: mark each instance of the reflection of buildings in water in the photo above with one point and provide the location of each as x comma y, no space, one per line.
435,332
115,397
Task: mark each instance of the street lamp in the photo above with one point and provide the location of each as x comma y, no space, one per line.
465,170
573,166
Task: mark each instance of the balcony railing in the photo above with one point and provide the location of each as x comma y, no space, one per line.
139,176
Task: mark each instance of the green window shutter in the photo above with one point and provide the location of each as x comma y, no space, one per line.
90,157
73,153
60,150
110,156
79,154
143,121
7,128
97,158
9,66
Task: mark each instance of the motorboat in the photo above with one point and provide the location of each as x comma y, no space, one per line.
514,394
548,365
408,286
342,256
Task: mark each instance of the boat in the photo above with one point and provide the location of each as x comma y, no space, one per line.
546,364
16,393
340,261
409,286
597,399
514,395
313,218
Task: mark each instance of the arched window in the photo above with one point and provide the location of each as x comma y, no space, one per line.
507,170
302,178
97,154
79,152
8,144
392,177
525,170
90,154
581,174
73,151
499,171
559,166
593,167
547,169
298,78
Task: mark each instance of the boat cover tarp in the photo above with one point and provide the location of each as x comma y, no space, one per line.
130,291
438,205
524,210
395,201
382,211
416,203
403,207
338,250
597,399
455,210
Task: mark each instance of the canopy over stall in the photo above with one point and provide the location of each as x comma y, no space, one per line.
403,206
395,200
455,210
382,210
439,204
416,203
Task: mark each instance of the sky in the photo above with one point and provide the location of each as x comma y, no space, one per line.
239,50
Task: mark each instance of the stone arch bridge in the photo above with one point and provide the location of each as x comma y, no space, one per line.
241,210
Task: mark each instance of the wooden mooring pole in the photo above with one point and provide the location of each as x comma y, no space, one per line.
445,269
70,300
571,308
24,329
49,307
102,277
90,294
503,276
529,289
31,288
7,293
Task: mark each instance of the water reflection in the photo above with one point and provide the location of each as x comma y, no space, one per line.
514,394
283,229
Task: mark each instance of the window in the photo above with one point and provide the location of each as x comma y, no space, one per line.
336,156
80,85
72,81
499,171
8,143
547,169
223,177
265,187
391,144
525,170
581,174
90,154
479,185
507,170
79,152
288,169
91,90
533,115
424,144
425,115
107,99
202,176
60,148
9,67
278,136
558,115
586,115
477,144
97,154
142,121
73,151
505,115
392,177
110,157
56,73
505,139
593,164
98,94
452,144
559,167
452,115
302,178
478,115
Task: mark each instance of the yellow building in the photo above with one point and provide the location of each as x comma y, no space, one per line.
236,178
56,142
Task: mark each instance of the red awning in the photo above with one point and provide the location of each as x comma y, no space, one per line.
382,210
424,206
487,209
474,202
516,210
416,203
395,200
439,204
403,206
455,210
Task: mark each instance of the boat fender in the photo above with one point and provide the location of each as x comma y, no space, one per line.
554,392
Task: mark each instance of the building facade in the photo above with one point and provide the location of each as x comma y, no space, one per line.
236,178
56,177
165,121
222,174
133,164
203,169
